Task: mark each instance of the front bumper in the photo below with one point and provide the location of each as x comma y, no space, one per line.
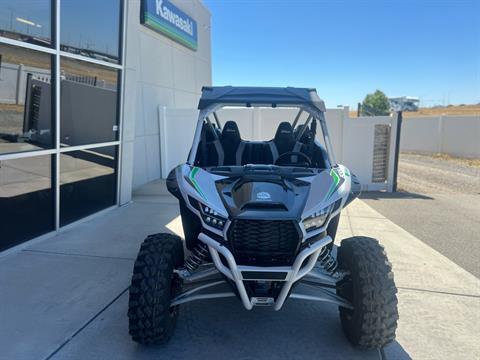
303,264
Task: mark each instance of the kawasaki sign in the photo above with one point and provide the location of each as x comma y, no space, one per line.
164,17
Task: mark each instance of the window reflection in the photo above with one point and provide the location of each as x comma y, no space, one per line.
26,199
25,100
91,28
88,103
26,20
87,182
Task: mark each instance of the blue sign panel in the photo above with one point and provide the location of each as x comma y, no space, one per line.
165,18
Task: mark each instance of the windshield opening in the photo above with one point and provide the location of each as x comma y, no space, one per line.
285,137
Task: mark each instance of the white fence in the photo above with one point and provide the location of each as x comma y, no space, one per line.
454,135
13,81
355,141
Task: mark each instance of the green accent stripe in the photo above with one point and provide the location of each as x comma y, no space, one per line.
169,30
336,180
191,176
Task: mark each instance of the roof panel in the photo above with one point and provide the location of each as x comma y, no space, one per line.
251,96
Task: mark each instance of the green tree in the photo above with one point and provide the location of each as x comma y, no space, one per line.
375,104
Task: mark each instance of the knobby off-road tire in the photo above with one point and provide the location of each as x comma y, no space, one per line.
151,319
371,289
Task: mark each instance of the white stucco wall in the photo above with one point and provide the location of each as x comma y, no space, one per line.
352,139
454,135
358,144
158,72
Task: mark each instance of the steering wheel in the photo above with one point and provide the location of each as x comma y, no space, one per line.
281,160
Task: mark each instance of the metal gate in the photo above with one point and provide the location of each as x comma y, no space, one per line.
381,148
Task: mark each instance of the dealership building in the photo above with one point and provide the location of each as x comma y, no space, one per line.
81,85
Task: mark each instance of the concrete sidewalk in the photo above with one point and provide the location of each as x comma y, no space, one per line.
66,298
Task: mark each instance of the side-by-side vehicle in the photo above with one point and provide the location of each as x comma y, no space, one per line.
260,220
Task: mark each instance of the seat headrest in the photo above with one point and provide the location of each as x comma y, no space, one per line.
306,134
284,133
230,132
209,132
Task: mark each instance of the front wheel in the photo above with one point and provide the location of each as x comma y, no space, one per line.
371,290
151,318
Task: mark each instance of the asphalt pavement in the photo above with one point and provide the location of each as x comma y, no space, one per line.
439,202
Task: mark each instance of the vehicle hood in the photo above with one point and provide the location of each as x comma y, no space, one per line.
269,197
266,199
277,198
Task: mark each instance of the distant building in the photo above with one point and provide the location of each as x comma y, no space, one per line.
404,103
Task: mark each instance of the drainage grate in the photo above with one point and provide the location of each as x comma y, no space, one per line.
381,146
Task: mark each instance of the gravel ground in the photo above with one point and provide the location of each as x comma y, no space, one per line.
438,202
429,174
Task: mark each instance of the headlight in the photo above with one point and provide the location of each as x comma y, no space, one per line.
211,217
317,219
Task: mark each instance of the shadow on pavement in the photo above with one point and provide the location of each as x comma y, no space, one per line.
222,329
395,351
377,195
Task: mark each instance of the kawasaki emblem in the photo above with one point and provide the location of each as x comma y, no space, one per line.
263,196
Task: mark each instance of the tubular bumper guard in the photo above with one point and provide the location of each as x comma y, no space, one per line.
288,274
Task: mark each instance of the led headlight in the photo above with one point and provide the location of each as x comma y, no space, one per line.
317,219
211,217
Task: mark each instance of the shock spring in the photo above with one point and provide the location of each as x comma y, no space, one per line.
327,261
197,257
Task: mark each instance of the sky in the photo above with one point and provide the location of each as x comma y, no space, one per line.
347,49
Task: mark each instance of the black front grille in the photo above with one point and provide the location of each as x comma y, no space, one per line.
263,242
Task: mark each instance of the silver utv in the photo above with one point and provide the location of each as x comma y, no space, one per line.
259,220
